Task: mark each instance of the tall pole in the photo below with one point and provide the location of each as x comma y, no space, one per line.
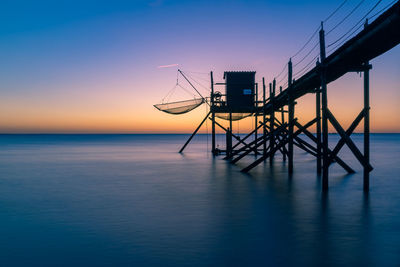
291,117
230,133
366,127
318,116
272,121
366,122
184,76
212,115
325,155
264,120
228,143
283,119
255,117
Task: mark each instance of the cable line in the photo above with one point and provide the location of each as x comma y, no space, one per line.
284,68
346,17
312,36
383,9
336,10
203,86
308,41
357,24
283,78
300,72
312,49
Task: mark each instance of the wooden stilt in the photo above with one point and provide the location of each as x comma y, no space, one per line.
194,133
291,117
283,121
264,118
212,116
272,120
257,143
240,140
366,128
318,128
255,116
229,136
366,122
228,142
325,155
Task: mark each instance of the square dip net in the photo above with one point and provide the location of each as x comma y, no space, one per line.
180,107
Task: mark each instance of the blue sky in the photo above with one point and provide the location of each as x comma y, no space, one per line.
64,60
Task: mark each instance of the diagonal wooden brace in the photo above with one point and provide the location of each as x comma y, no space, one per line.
349,142
194,133
236,137
337,159
247,136
282,143
349,131
259,141
268,154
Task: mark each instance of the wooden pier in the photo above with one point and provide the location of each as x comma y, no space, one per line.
280,136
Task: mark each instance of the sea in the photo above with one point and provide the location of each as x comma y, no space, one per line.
133,200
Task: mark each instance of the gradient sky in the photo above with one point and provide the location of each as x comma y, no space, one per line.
92,66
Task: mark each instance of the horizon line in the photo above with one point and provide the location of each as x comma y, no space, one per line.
143,133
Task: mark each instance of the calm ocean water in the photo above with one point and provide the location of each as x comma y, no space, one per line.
132,200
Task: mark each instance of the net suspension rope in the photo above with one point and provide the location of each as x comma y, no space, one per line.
181,107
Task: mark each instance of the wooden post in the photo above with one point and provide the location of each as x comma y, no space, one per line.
212,116
195,132
283,121
264,120
272,121
366,128
291,117
228,142
325,152
318,126
255,117
366,122
230,133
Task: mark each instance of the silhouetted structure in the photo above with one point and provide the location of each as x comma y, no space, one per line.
278,135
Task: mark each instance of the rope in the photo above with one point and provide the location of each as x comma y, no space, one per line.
205,73
300,72
308,41
187,91
336,10
172,90
319,27
169,93
346,17
203,86
383,9
284,68
312,49
201,78
342,42
351,31
361,20
282,78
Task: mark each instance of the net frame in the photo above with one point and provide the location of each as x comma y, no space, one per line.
235,116
180,107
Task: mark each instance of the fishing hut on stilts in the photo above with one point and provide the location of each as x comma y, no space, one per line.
238,100
276,129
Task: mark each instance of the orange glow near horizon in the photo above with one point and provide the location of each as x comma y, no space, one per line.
94,113
102,73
